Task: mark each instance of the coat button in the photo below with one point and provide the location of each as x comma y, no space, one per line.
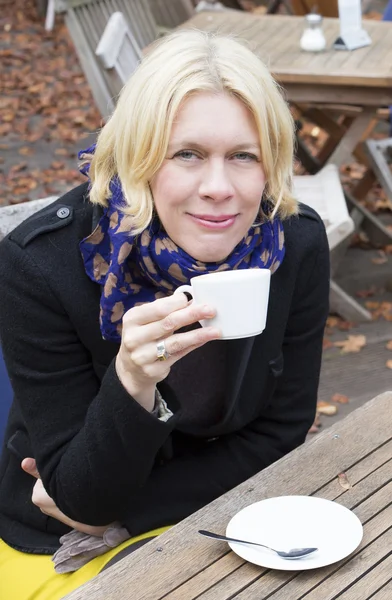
63,213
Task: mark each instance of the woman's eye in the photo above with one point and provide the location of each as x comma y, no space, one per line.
245,156
186,155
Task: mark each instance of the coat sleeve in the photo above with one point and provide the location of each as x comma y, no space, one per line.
93,443
186,484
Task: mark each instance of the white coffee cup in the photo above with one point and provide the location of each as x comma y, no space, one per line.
239,297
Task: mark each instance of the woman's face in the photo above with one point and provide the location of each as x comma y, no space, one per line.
208,190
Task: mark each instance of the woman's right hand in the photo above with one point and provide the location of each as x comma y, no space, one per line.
137,365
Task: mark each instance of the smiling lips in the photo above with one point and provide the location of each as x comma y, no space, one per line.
214,221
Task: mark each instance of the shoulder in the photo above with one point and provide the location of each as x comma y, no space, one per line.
72,212
307,221
305,231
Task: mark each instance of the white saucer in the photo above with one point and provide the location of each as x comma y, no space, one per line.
295,522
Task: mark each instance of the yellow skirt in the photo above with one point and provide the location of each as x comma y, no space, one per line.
32,576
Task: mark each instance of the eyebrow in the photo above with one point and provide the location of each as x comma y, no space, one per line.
198,146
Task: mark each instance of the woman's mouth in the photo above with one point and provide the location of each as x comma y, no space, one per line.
213,221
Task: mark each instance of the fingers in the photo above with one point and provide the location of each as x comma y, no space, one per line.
177,346
30,466
155,311
163,328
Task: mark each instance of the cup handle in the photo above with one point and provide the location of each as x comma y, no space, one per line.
184,288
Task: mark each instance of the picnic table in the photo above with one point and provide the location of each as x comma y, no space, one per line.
183,565
353,85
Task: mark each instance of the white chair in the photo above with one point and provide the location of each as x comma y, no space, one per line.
117,49
86,21
11,216
324,193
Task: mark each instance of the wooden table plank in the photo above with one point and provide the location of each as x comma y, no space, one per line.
359,471
317,463
367,486
207,578
385,592
351,572
371,582
233,584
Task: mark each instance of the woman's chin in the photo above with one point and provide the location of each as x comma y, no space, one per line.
210,255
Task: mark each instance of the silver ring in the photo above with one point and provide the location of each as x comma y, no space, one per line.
162,353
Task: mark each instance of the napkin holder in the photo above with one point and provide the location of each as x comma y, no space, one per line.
351,36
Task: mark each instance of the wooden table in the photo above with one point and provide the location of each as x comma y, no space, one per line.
359,78
182,565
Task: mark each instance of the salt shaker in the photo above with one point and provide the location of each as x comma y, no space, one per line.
312,39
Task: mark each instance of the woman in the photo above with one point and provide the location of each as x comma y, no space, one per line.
128,416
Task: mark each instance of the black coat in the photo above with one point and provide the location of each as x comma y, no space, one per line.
101,456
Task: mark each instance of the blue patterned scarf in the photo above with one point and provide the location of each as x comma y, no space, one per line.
133,270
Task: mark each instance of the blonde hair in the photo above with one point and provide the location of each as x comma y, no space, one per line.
134,141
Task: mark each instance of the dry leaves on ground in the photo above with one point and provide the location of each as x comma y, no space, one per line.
45,100
340,399
334,322
389,364
380,259
354,343
326,408
389,345
368,293
380,310
344,482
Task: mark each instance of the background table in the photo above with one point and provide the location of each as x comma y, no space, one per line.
183,565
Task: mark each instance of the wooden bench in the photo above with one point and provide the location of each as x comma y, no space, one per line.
86,21
11,216
181,564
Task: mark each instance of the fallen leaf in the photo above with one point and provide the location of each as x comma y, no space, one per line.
17,168
345,325
340,398
354,343
56,164
344,482
327,343
366,293
62,152
326,408
26,151
380,260
332,321
383,204
389,345
389,364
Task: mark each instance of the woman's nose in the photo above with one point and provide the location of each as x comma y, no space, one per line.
216,184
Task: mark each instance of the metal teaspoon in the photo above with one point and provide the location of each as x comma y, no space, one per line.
290,554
